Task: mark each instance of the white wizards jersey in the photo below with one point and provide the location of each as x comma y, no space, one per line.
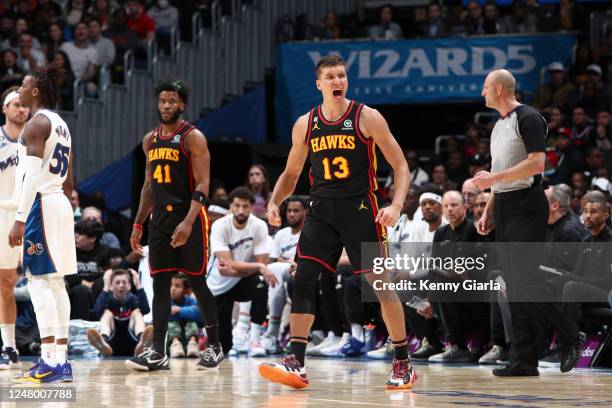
9,160
55,157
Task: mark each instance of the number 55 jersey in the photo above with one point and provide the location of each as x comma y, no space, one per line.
48,245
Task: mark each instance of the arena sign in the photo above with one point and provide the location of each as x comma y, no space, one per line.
413,71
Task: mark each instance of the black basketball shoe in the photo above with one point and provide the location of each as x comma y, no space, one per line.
211,357
148,360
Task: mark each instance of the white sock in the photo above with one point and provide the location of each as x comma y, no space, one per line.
273,327
357,331
61,353
243,323
255,332
47,353
8,335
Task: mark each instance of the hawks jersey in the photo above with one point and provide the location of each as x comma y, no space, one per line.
170,165
343,161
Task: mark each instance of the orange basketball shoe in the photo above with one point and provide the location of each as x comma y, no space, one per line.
288,372
402,376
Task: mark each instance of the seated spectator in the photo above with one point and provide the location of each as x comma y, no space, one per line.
581,127
578,181
76,204
418,176
457,172
595,74
330,28
104,47
54,39
217,209
492,24
589,97
583,59
386,28
218,191
139,21
555,92
439,177
46,15
571,17
435,26
456,20
102,11
520,20
165,17
237,268
556,122
75,12
576,203
184,319
7,26
93,259
66,102
601,137
10,73
84,58
12,42
470,144
259,185
474,21
566,159
469,192
124,40
122,327
29,58
594,163
108,238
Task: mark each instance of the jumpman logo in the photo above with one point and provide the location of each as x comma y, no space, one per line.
316,127
362,206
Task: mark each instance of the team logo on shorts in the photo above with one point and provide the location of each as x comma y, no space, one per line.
34,248
348,125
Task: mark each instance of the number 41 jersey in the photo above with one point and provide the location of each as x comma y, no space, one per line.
343,161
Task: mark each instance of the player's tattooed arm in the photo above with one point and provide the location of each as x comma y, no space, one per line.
197,147
146,200
374,125
285,185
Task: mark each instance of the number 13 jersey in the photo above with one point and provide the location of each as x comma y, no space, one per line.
343,161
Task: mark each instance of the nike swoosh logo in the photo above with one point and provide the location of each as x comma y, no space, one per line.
39,376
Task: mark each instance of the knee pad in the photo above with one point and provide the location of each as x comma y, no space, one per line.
43,301
304,284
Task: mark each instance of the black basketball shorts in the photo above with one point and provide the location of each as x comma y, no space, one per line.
190,258
331,225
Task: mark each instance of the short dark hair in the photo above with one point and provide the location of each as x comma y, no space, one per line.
243,193
170,85
328,61
89,227
596,197
298,199
119,272
184,278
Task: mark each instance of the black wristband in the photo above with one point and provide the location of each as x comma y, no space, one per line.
200,197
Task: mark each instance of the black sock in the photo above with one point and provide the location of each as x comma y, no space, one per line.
400,349
298,348
212,332
161,310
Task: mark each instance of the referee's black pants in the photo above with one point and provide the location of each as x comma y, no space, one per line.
522,216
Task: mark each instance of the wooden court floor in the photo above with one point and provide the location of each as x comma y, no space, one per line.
334,383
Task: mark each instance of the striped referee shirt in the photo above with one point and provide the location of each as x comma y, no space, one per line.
522,131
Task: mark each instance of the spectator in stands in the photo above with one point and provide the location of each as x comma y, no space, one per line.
386,28
108,238
46,15
493,24
594,73
555,92
469,192
75,12
165,17
7,26
576,203
330,28
84,58
578,181
105,48
29,58
13,40
139,21
93,259
435,26
602,134
470,143
124,40
589,97
581,127
184,319
418,176
556,122
102,11
594,162
474,21
257,182
10,73
53,41
520,20
66,102
456,20
217,209
457,172
568,159
439,177
122,328
563,225
583,59
571,17
75,203
218,192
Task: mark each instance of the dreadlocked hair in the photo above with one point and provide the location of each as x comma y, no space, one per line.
49,79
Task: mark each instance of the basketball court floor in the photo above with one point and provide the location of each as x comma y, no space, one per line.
334,383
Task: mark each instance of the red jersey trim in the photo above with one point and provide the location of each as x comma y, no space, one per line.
309,129
185,123
348,111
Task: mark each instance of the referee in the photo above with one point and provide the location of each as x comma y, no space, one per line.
520,211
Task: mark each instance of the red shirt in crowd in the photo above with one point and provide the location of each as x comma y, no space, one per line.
141,25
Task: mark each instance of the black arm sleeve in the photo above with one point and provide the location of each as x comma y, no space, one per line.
533,129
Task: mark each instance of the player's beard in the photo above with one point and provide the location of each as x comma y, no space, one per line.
294,224
240,219
173,119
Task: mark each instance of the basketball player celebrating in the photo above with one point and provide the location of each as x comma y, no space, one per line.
340,136
176,182
16,116
44,223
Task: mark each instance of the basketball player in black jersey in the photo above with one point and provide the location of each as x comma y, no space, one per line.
340,136
174,193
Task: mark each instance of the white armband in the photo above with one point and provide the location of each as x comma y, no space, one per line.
33,171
